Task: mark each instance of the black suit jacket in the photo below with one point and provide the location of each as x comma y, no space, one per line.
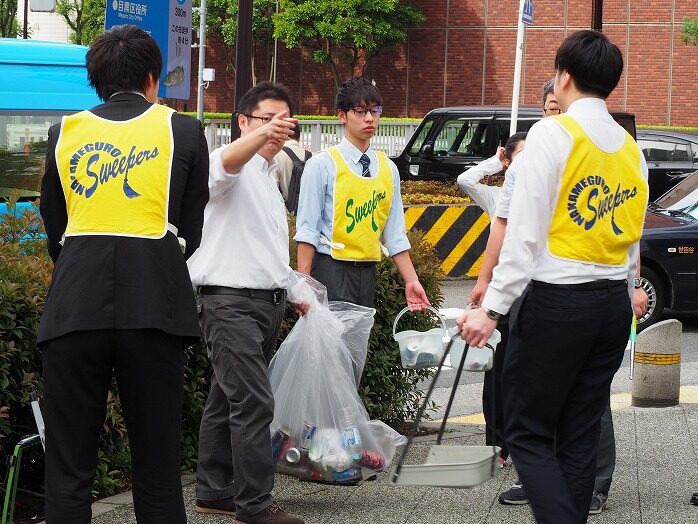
110,282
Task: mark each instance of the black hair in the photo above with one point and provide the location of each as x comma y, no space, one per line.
264,91
296,135
357,91
121,59
512,142
594,62
548,88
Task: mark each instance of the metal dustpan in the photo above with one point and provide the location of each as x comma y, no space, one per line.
447,466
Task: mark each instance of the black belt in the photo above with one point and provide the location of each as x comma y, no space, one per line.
349,262
595,284
275,296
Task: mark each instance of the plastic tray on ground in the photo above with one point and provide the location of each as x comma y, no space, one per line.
452,467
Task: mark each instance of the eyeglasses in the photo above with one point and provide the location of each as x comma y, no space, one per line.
264,119
552,110
361,111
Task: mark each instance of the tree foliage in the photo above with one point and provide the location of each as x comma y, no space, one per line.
8,18
84,17
689,34
344,31
221,25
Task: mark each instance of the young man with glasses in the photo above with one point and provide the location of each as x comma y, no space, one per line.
350,208
241,271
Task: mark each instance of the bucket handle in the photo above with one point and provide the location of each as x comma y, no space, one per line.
433,310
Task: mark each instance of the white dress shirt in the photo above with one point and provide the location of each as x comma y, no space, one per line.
244,243
485,196
539,167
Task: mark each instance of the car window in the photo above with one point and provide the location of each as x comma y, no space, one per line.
462,137
23,150
662,149
421,137
683,197
503,127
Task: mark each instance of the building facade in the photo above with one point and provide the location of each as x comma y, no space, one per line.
463,54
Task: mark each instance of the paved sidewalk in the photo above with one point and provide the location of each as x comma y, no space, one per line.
656,472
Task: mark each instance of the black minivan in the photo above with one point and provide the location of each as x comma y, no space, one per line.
451,139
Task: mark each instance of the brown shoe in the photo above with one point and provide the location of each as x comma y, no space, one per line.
224,506
273,514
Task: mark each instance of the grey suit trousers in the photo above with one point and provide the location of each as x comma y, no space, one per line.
235,457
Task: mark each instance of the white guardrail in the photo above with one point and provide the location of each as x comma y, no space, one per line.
318,135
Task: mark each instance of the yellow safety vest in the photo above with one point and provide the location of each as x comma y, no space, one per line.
361,209
116,174
602,201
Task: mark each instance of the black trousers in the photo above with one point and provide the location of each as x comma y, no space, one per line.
492,404
565,345
77,372
353,282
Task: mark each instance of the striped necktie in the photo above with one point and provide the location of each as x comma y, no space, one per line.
365,162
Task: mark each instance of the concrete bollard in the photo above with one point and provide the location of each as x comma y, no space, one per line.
657,374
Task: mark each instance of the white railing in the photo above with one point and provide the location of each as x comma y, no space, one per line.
318,135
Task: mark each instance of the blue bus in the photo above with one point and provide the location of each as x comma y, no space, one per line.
41,81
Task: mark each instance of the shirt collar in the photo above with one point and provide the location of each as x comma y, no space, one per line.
584,106
352,152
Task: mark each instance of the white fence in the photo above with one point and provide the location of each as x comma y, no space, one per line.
317,135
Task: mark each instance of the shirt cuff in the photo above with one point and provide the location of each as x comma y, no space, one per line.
307,236
218,172
497,301
397,246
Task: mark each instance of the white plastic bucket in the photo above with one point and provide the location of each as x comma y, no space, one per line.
478,359
420,349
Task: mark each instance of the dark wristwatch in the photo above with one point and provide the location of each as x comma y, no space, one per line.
492,314
637,283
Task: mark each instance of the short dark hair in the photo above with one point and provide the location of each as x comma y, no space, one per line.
264,91
296,135
548,88
512,142
357,91
121,60
594,62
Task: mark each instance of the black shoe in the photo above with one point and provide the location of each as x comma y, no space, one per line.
224,506
694,499
598,503
271,515
514,495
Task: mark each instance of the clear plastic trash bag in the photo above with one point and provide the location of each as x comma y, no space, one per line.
321,430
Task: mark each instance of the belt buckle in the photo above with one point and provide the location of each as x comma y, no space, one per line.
279,295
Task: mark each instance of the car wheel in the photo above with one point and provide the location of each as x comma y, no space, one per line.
654,287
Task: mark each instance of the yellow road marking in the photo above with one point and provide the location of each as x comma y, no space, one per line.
412,214
443,224
464,244
619,401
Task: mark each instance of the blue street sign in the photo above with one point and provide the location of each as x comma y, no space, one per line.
169,23
527,15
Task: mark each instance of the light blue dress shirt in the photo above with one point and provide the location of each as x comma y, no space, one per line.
315,204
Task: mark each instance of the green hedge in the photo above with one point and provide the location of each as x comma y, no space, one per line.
388,391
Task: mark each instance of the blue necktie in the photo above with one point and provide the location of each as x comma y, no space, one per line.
365,162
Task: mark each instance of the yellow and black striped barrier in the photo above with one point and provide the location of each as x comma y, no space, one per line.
457,232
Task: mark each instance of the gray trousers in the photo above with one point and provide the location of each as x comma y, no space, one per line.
235,457
353,282
606,455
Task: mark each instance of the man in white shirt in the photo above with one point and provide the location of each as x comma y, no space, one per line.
241,271
571,248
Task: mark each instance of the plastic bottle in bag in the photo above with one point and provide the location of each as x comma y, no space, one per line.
350,433
350,474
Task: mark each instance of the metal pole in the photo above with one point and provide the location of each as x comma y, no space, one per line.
517,70
202,62
597,15
276,48
26,15
243,60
